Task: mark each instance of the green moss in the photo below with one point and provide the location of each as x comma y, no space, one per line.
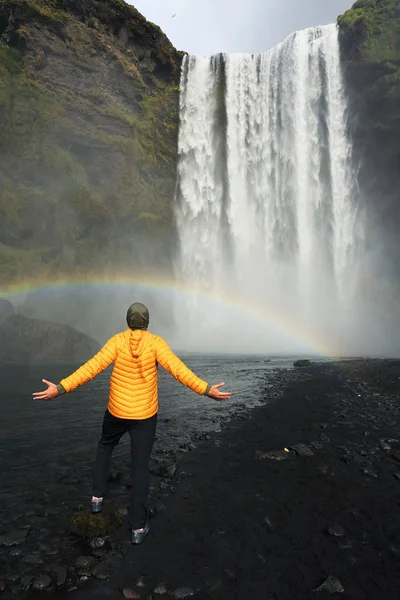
94,158
85,524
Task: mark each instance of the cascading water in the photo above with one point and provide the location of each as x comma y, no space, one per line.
266,205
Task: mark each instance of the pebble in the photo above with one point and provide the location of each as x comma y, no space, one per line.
273,455
85,563
183,592
32,559
129,593
106,568
97,542
385,446
336,530
13,538
302,450
26,581
161,588
41,583
331,585
61,575
140,582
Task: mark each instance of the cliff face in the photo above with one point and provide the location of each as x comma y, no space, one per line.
89,94
370,45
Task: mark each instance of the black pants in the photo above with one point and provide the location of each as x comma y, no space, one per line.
142,434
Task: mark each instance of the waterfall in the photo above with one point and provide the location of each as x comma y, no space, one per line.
266,202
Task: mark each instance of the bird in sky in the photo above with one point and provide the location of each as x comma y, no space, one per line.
173,16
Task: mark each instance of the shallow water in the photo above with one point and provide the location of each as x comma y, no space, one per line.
40,439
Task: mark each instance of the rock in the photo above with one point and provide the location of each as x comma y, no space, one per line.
370,473
14,538
32,559
26,581
3,586
273,455
331,585
33,340
161,588
85,524
140,582
106,568
300,364
183,592
42,583
336,530
114,476
97,542
385,446
85,563
6,309
317,445
268,523
302,450
61,575
129,593
396,475
395,550
16,552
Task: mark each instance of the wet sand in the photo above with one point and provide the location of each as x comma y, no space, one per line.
241,523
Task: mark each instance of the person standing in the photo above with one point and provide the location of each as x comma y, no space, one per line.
132,405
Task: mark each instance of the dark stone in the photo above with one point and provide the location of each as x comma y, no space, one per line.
302,363
6,309
272,455
183,592
42,583
129,593
26,581
32,559
30,339
160,589
97,542
106,568
336,530
385,446
14,538
114,476
85,563
302,450
61,575
331,585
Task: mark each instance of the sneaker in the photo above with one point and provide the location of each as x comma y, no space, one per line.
97,506
138,535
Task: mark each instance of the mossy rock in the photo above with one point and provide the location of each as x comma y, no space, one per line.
87,525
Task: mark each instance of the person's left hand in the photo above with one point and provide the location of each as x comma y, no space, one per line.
49,394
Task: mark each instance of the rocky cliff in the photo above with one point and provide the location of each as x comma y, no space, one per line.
23,339
370,46
88,119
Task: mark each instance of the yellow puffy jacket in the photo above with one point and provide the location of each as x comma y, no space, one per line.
134,381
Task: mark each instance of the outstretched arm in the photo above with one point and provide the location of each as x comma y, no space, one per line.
171,363
85,373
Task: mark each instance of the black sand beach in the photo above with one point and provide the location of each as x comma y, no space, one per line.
242,524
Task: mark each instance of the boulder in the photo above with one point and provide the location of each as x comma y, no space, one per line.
23,339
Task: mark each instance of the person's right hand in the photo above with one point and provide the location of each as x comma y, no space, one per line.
217,395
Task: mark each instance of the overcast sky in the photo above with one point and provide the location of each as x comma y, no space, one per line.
209,26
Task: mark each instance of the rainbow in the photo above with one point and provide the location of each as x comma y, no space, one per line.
265,314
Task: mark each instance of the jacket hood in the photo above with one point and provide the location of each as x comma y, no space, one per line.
137,341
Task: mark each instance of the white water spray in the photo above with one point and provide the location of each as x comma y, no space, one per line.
266,204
